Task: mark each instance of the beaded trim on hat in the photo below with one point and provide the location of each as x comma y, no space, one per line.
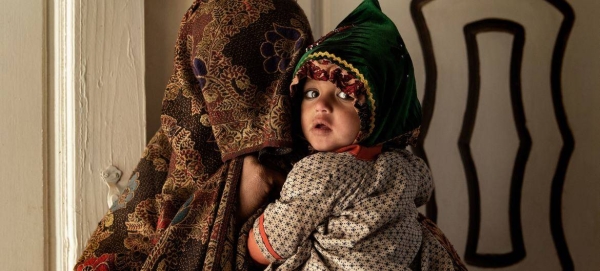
331,33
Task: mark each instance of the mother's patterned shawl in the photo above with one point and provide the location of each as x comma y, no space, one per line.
227,97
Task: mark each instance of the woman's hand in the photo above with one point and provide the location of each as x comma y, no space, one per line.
256,184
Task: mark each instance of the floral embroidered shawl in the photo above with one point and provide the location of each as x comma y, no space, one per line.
228,96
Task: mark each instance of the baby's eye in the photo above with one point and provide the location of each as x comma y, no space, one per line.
345,96
311,94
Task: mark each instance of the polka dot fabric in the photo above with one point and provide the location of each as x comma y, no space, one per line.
337,212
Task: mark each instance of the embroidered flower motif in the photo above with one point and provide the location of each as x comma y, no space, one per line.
346,82
103,263
325,70
142,233
127,194
279,48
109,219
200,71
158,153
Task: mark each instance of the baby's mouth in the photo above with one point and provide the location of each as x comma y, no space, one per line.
322,127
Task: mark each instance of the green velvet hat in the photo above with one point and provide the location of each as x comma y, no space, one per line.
368,46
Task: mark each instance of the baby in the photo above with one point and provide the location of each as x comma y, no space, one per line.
352,204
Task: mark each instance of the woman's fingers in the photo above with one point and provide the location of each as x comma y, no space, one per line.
254,187
258,184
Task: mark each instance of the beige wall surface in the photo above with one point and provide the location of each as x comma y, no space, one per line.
162,20
22,69
581,95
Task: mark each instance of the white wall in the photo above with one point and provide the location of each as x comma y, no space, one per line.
100,107
22,134
109,102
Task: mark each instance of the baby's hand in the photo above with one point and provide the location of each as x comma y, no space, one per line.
256,184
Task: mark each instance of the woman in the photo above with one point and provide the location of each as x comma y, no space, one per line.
225,116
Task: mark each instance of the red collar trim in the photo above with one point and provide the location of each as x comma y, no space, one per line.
362,152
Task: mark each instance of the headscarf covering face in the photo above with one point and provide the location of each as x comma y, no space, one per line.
366,58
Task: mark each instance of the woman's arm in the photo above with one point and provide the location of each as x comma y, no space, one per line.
256,184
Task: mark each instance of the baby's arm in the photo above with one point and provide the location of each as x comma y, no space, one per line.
254,250
307,199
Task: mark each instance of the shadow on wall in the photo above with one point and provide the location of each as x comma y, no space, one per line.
162,19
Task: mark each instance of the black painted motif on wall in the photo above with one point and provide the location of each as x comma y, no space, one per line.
471,30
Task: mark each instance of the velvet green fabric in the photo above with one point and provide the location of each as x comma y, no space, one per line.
368,45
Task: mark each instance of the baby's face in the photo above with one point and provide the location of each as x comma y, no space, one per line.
328,117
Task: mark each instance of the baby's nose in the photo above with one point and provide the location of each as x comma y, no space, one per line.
324,104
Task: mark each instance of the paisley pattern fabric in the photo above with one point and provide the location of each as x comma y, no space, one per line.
228,96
